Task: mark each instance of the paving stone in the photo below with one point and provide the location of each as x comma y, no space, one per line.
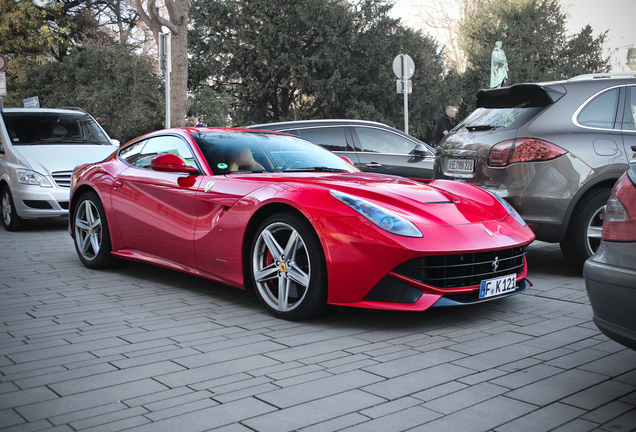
81,401
336,424
610,411
115,421
599,395
109,379
464,398
578,425
481,417
402,420
316,411
415,382
117,345
543,419
319,388
412,363
211,417
556,387
440,390
527,376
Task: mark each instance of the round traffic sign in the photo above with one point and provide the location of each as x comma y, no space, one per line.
3,62
397,66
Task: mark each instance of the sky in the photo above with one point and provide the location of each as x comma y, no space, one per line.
617,16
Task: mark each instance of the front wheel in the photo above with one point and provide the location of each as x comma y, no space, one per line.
91,234
10,218
583,236
288,267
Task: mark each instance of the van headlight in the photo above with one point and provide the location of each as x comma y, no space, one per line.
384,218
32,178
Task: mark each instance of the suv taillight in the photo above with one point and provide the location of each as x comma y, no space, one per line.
523,150
620,212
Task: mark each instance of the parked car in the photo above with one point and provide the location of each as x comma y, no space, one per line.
38,150
296,222
610,275
553,150
371,146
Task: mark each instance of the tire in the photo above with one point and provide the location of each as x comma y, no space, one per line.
286,252
91,234
585,229
10,218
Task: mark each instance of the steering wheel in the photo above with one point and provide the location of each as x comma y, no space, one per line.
290,164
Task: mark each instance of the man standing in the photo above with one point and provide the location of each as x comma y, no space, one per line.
192,118
445,123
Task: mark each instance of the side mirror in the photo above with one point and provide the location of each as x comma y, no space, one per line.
420,150
347,160
169,162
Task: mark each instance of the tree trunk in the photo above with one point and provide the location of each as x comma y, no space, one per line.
179,78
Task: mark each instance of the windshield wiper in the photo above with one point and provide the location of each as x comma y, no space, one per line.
474,128
317,169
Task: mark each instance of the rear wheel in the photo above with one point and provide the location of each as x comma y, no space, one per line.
90,230
585,229
288,267
10,218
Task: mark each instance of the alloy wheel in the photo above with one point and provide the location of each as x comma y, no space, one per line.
281,267
88,230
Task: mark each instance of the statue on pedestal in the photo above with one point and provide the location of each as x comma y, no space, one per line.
498,67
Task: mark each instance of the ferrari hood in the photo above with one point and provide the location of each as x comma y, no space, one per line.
46,159
438,202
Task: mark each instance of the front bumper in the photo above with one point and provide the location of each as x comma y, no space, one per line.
32,202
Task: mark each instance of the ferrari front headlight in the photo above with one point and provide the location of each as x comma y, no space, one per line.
384,218
511,210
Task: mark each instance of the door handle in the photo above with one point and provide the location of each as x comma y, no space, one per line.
373,165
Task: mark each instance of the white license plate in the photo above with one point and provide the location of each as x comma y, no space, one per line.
497,286
461,165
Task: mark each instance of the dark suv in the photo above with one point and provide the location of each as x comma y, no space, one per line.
371,146
553,150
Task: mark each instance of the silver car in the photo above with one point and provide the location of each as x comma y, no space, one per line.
553,150
38,150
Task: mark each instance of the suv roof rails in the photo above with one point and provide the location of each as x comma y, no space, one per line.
74,108
604,76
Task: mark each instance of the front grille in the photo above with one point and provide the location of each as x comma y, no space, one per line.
463,270
62,178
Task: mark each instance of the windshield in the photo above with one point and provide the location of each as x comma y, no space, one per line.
36,128
229,152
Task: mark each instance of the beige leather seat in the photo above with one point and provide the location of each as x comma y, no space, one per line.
241,159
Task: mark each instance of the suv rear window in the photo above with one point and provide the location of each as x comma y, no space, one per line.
53,128
499,118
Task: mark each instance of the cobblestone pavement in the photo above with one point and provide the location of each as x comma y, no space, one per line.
150,349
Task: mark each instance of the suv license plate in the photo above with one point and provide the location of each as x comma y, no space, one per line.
461,165
497,286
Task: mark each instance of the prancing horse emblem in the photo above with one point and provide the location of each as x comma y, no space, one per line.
495,264
208,186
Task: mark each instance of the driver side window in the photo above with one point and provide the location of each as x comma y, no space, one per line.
381,141
162,145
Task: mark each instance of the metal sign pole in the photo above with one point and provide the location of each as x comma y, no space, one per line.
403,67
406,95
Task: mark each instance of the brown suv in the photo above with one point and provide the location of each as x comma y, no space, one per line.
553,150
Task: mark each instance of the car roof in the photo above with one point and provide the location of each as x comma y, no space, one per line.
49,110
321,122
